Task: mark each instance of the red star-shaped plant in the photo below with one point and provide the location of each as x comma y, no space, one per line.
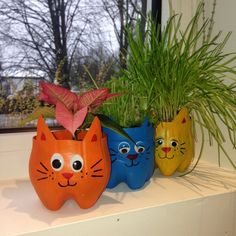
72,109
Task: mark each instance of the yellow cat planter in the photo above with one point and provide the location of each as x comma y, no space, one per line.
174,145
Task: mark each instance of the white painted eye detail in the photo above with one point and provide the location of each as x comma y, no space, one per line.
124,147
159,142
57,161
139,147
76,163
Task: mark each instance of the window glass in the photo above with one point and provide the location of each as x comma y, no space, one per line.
72,43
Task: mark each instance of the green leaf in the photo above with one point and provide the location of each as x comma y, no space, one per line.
109,123
47,112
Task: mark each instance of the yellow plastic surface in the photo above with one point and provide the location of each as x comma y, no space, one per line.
174,144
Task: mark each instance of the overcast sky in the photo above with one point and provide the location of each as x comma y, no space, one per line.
11,52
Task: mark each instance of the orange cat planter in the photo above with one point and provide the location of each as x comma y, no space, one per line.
174,149
61,168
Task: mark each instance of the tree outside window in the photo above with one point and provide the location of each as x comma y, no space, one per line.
62,41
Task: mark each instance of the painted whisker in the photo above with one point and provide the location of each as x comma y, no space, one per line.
44,167
113,150
97,170
41,172
42,178
96,163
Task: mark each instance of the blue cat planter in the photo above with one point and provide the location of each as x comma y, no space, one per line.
132,163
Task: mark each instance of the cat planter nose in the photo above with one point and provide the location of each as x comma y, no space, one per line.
132,157
67,175
166,149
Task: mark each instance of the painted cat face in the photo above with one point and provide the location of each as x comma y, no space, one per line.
61,168
174,144
131,163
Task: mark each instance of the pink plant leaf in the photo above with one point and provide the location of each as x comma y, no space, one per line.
69,120
94,98
53,94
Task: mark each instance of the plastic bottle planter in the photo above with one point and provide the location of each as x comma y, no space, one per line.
132,164
174,144
61,168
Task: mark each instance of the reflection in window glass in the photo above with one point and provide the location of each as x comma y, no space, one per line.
72,43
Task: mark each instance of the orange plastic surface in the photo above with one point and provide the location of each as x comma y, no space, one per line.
61,168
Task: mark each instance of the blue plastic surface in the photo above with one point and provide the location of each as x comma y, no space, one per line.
131,164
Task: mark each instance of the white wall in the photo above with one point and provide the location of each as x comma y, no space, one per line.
225,20
185,7
15,151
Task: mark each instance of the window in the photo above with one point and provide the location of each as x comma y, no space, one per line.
86,40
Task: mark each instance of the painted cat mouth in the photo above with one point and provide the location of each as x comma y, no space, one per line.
132,164
67,185
165,157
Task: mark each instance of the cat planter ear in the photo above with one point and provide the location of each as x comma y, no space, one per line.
95,131
145,123
43,132
183,116
147,129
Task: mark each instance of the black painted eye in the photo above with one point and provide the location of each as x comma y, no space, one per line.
57,161
56,164
159,141
173,143
139,147
76,163
124,147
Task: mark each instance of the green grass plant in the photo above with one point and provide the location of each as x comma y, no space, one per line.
128,110
174,68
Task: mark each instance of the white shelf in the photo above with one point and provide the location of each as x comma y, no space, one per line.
202,203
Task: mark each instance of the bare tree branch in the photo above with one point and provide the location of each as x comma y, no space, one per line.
123,14
52,29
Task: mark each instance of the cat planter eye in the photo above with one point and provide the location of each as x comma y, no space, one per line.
61,168
132,163
174,146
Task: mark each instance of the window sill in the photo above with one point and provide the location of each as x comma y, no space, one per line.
199,204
